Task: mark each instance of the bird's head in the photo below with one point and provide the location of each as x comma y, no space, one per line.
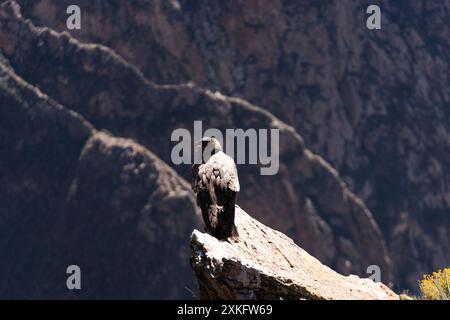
209,146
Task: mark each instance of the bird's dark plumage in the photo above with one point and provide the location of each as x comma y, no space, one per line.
216,183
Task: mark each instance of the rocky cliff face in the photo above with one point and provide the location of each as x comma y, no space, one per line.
73,195
371,103
265,264
312,202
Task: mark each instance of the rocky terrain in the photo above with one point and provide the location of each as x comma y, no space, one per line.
372,104
73,195
265,264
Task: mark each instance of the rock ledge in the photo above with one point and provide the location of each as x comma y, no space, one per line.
266,264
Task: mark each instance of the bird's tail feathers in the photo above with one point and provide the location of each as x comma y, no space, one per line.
214,213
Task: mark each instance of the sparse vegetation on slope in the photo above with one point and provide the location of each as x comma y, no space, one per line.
436,286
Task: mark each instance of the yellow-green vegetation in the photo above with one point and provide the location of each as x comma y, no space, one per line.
436,286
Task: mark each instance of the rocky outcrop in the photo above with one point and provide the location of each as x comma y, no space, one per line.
265,264
73,195
137,212
308,199
374,104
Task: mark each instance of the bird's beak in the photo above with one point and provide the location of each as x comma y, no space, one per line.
204,139
198,144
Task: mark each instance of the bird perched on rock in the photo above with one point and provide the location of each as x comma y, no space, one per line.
215,183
